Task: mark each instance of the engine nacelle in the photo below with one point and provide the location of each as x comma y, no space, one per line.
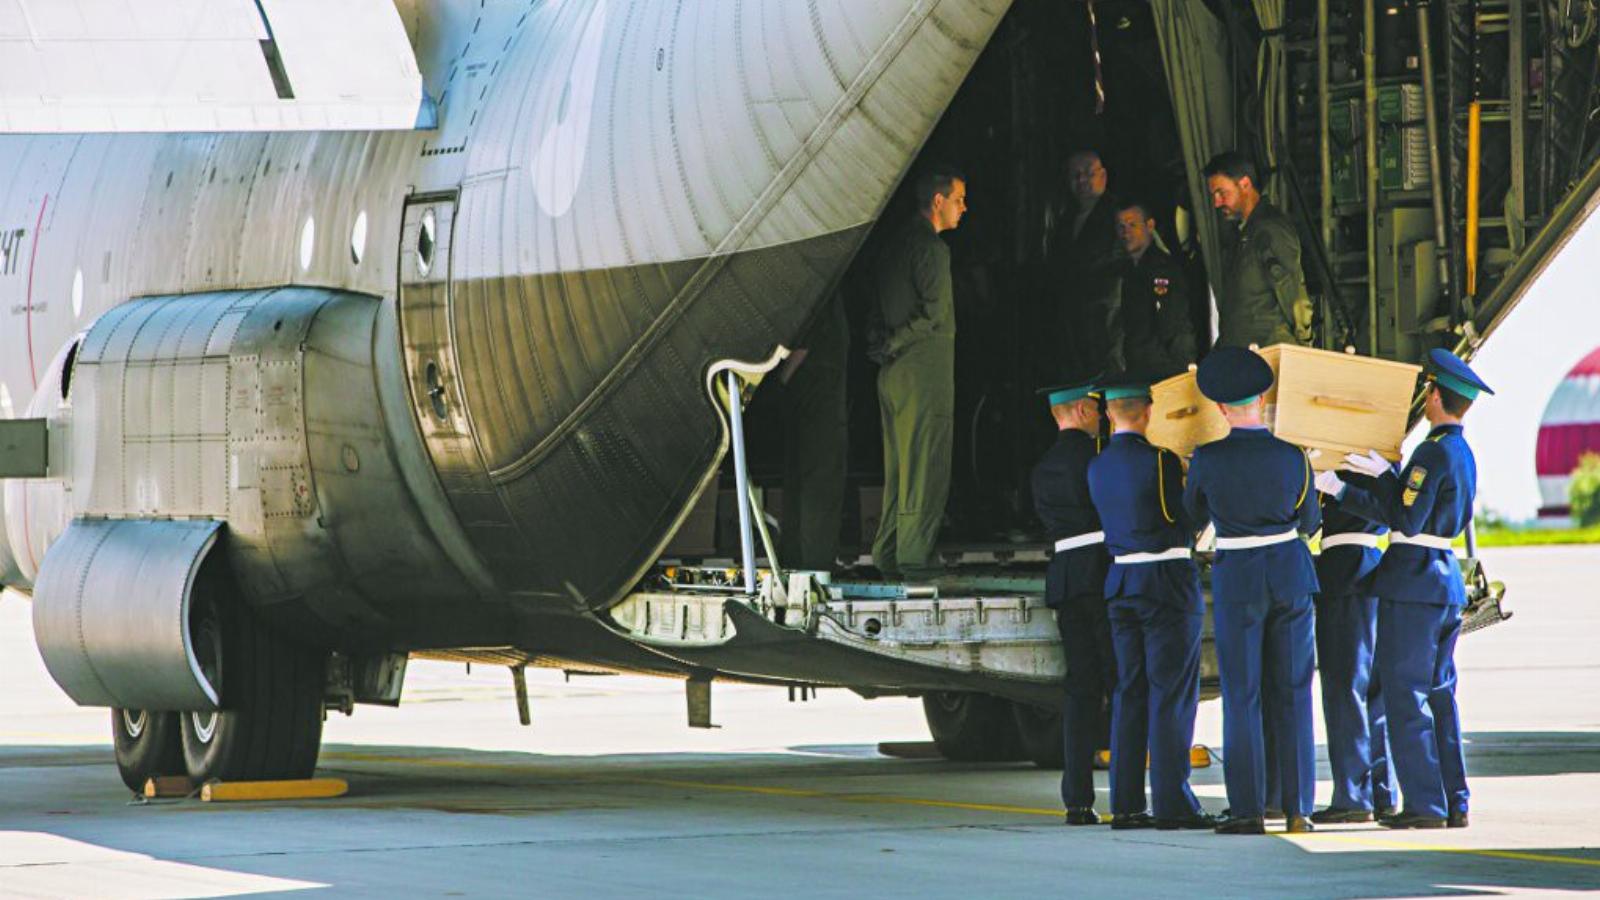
236,430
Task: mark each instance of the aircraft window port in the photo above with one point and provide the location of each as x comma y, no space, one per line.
358,238
425,244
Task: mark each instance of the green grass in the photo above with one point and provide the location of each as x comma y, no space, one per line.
1528,537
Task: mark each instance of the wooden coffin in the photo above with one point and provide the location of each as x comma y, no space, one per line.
1337,403
1181,418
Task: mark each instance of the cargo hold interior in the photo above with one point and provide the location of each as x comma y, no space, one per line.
1028,104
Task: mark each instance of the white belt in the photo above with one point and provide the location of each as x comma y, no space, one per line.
1431,541
1349,539
1256,540
1162,556
1081,540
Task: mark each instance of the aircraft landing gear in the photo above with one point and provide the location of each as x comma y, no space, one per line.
270,724
1039,733
969,727
147,744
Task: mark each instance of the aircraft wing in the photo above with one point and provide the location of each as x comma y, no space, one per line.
207,65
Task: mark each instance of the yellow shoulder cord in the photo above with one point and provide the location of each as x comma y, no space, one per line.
1161,486
1305,488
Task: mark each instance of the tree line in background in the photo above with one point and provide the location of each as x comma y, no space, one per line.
1583,492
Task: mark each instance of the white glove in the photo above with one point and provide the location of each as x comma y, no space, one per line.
1329,483
1369,463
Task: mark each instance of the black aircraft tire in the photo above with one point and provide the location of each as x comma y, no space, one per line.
270,724
969,727
1039,733
147,744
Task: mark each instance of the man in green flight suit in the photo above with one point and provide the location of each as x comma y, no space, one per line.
1261,295
912,338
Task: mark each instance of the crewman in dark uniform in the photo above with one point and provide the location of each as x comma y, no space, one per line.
912,337
1081,258
1257,490
1075,588
1156,332
1261,294
1156,612
1421,593
1347,632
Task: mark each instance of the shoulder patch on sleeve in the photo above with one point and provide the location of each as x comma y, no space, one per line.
1414,481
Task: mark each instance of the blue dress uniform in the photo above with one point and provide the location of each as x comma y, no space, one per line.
1075,589
1420,597
1156,611
1347,631
1258,491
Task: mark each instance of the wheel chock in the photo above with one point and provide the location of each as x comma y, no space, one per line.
1199,758
910,749
165,787
299,789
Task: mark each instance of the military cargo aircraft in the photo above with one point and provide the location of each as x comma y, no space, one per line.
334,335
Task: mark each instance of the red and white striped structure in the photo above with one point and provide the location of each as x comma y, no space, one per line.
1569,429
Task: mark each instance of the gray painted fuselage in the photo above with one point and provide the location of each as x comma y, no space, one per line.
501,366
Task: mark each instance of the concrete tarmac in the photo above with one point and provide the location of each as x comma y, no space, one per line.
609,794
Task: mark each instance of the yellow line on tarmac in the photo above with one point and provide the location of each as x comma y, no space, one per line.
881,799
1517,855
440,763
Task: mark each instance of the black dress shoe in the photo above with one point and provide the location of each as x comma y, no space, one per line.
1413,820
1232,825
1128,821
1082,815
1299,825
1335,815
1192,822
1274,813
1458,819
1384,812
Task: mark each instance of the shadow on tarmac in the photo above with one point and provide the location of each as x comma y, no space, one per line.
834,820
1493,754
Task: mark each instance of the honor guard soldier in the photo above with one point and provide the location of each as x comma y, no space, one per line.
1257,490
1421,593
1075,588
1156,612
1347,632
